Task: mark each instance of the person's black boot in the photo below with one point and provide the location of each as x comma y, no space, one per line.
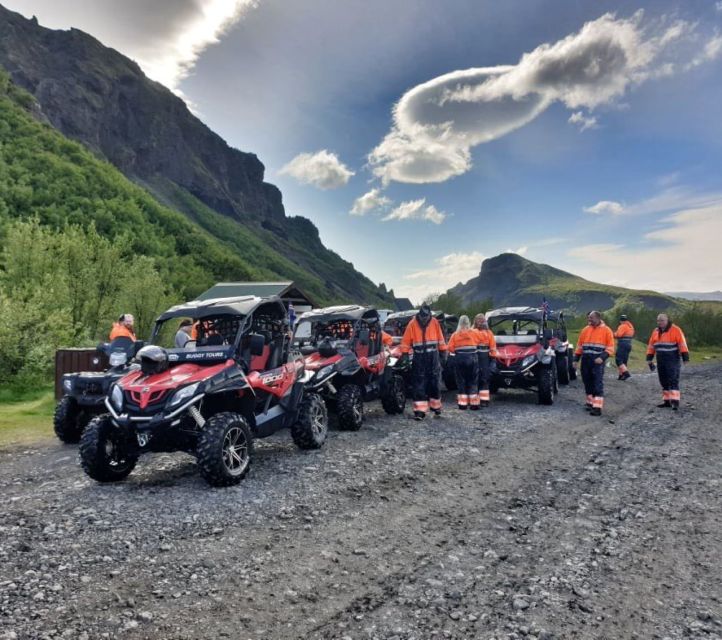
675,405
419,415
462,407
626,376
664,405
437,413
596,411
588,407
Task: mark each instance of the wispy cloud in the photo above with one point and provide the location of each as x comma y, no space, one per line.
447,271
416,210
437,123
370,202
681,255
669,199
322,169
584,122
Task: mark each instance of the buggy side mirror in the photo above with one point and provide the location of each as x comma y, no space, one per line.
256,344
364,337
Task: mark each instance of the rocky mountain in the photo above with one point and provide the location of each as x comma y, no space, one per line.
511,280
97,96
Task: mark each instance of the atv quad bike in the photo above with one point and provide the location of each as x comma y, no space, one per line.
236,383
84,392
346,362
395,326
531,348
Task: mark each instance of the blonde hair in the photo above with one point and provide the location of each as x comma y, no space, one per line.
464,324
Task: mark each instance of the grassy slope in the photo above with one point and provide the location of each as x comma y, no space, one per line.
26,419
44,174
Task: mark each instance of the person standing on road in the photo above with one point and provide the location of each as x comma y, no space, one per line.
668,343
486,351
595,345
463,348
624,335
425,338
123,328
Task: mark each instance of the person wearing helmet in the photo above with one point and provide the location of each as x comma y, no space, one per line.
425,338
462,347
486,351
123,328
624,335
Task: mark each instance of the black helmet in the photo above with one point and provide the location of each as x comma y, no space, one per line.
623,317
152,360
424,315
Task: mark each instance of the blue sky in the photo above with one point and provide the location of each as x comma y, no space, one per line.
587,135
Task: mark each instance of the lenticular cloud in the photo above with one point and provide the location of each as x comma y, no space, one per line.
437,123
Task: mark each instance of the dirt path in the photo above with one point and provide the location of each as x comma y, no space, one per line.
521,522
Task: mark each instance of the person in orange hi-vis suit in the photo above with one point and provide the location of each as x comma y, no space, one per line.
624,335
595,345
486,351
668,343
123,328
425,338
462,347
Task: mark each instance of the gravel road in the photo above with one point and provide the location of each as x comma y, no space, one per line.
517,522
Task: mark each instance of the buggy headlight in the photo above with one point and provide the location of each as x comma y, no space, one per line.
325,371
117,358
529,360
183,394
116,397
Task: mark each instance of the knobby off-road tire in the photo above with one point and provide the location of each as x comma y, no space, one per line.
545,382
394,398
68,420
311,428
350,408
225,449
106,455
570,362
563,368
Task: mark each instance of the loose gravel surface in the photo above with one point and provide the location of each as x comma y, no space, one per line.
520,521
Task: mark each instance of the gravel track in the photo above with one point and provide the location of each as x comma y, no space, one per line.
520,521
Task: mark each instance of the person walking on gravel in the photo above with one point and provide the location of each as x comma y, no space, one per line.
425,338
463,347
624,335
595,345
668,343
486,351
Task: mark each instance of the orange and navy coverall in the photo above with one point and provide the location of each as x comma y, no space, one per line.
487,351
594,342
120,331
463,345
624,335
425,343
669,345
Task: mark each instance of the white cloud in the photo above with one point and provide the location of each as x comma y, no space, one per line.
322,169
437,123
520,251
370,201
683,255
165,37
669,199
718,5
416,210
606,206
448,271
584,122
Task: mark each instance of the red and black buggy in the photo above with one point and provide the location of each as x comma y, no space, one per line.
346,362
532,351
211,399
